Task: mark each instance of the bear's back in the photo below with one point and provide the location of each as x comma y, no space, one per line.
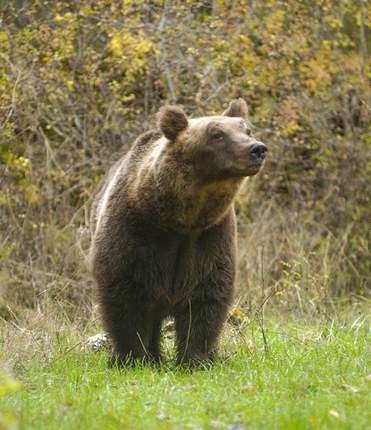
141,147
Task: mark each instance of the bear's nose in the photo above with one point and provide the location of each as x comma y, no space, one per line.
258,150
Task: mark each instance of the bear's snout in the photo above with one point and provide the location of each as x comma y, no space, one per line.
258,151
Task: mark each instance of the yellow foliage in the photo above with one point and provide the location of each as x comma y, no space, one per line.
79,80
8,385
131,50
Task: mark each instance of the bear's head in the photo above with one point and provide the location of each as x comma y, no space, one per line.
217,147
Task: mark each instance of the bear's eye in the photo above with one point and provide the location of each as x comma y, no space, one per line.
249,132
218,136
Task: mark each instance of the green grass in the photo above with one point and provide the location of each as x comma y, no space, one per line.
314,376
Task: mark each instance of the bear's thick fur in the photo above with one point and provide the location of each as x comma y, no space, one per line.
164,233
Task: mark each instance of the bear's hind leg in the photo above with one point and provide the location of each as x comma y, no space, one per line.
154,348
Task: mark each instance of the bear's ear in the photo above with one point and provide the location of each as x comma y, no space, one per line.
172,120
237,108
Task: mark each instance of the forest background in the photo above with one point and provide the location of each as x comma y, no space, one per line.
79,80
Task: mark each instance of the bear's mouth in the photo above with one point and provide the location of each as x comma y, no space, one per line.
253,169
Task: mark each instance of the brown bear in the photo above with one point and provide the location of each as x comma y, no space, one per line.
164,233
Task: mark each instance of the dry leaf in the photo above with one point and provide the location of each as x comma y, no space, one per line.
237,316
350,388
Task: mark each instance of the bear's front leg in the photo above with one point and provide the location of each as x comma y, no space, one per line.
132,330
198,327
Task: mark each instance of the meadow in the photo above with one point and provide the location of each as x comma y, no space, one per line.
309,375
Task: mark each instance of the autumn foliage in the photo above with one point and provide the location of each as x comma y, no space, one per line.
80,79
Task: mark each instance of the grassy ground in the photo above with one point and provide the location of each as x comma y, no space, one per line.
313,376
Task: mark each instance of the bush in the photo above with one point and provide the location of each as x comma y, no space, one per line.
79,80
